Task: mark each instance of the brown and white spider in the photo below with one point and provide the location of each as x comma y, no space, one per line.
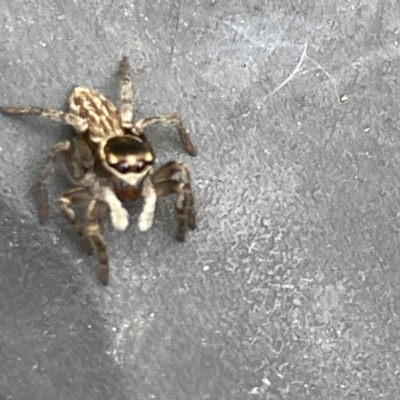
111,161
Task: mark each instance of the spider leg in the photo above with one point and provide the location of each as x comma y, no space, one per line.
79,159
44,177
168,120
77,196
126,110
80,124
150,198
95,210
165,186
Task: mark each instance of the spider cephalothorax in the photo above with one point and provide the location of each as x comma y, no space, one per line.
112,161
128,158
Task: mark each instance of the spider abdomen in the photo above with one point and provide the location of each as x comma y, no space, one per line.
102,116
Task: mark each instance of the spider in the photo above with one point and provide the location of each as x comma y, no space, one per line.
111,161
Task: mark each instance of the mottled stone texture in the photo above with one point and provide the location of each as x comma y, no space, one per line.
289,289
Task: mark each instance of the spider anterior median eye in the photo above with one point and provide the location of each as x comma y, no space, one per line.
123,167
140,166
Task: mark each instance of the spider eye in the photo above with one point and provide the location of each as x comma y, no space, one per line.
123,167
140,166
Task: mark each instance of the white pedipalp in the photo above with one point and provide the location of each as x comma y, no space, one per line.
150,199
119,215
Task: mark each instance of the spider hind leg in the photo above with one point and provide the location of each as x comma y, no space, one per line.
80,124
169,120
126,110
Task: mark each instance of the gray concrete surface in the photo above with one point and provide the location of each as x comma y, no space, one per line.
289,289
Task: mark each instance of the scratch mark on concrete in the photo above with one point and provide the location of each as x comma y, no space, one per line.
176,29
298,71
298,68
329,76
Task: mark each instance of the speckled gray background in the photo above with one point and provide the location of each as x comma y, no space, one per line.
289,289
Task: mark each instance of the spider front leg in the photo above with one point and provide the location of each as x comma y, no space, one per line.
95,210
80,124
168,120
77,196
165,186
126,110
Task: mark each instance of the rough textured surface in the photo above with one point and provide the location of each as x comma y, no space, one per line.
289,289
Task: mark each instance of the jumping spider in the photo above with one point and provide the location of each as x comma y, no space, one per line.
111,161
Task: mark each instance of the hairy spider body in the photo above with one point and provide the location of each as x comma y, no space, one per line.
111,161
